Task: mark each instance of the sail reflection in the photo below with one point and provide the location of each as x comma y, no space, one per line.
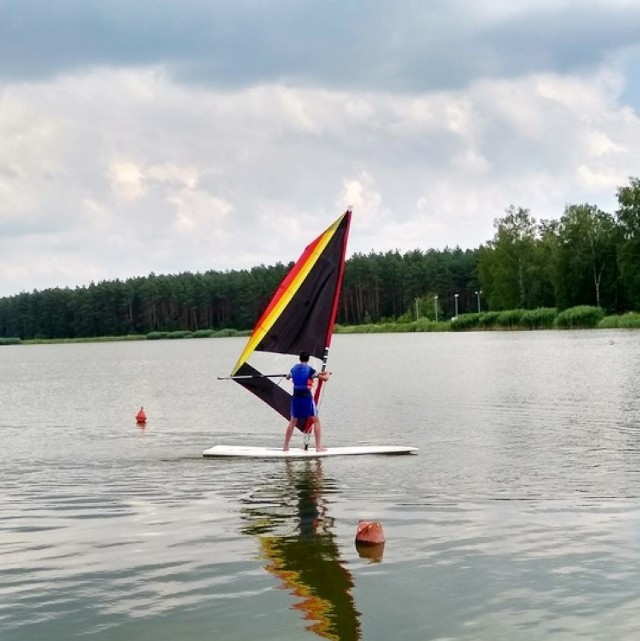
290,519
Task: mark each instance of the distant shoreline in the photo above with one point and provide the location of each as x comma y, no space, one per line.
513,320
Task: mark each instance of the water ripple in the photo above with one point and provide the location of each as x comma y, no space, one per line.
518,519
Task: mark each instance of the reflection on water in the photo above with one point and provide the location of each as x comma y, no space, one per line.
289,516
372,551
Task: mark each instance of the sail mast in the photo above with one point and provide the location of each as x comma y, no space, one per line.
334,310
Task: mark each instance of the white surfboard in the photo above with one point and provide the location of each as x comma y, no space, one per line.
248,451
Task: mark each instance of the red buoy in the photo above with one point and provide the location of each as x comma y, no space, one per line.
370,540
141,417
369,532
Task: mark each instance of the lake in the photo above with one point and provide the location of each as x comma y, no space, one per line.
519,518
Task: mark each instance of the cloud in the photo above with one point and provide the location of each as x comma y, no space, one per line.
197,211
369,46
126,180
168,137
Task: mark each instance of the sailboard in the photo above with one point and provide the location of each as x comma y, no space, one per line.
299,317
248,451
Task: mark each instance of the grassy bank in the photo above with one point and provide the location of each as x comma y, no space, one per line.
421,325
625,321
204,333
96,339
582,317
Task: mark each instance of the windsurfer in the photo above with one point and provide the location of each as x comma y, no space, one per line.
303,405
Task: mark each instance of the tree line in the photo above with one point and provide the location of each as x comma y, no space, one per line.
586,257
376,287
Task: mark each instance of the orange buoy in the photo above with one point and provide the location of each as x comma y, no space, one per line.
141,417
369,533
370,540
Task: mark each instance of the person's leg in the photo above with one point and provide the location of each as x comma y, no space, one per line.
289,434
317,433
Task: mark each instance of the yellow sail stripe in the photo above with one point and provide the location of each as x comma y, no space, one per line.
260,331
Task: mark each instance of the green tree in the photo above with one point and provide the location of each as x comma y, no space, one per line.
584,258
628,216
511,266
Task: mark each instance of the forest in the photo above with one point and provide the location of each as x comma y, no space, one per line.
584,257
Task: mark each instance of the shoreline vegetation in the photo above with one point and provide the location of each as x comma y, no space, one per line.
530,269
544,318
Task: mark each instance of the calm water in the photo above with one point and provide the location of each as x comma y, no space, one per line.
518,519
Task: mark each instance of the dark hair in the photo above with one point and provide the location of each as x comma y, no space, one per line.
304,357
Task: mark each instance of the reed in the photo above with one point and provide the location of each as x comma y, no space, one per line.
156,336
356,329
83,339
421,325
630,321
510,318
580,317
541,318
202,333
465,322
228,331
626,321
488,320
426,325
179,334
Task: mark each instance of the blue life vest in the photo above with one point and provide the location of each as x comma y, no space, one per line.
301,374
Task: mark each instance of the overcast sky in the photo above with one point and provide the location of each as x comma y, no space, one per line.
142,136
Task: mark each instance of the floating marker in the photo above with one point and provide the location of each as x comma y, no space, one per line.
141,417
370,540
369,533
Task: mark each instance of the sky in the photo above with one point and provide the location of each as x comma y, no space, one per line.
141,136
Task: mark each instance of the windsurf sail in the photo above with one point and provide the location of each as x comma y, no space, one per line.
300,316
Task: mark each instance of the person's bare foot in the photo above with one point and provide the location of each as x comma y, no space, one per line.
321,449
